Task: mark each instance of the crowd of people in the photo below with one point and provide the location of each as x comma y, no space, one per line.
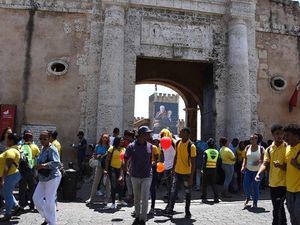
129,168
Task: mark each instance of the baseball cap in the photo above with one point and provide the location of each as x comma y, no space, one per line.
144,130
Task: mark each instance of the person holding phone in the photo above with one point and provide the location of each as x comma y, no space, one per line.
274,159
292,136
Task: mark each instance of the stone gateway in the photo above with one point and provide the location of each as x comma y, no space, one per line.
74,64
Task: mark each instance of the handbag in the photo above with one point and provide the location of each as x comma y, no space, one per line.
45,172
93,163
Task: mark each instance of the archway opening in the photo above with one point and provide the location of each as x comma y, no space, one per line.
159,106
193,81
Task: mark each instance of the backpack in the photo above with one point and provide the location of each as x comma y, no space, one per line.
188,149
25,159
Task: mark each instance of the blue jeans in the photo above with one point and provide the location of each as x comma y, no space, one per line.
228,170
251,187
8,188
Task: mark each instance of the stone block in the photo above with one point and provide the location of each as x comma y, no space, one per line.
260,46
263,66
262,54
262,74
165,3
177,3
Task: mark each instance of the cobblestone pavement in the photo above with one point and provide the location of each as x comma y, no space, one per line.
206,214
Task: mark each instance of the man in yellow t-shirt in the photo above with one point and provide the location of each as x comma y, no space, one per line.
274,158
55,142
292,136
183,171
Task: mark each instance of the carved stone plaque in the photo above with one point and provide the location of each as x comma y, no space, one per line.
168,34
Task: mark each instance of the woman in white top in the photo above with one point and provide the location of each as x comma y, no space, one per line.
253,160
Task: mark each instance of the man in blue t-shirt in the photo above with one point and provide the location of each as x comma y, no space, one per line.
140,154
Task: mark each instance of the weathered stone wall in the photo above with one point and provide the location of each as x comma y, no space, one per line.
29,40
278,41
101,40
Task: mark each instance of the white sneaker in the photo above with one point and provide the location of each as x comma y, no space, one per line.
99,193
122,202
113,206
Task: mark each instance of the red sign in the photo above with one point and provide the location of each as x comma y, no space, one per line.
7,117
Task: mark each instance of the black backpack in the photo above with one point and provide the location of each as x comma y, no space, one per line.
23,166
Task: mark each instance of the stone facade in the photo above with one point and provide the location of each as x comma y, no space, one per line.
246,42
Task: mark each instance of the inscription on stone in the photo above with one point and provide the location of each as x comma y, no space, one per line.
170,34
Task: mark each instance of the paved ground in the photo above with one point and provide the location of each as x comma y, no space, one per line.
223,213
227,212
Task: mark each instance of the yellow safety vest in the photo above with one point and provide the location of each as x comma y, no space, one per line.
212,158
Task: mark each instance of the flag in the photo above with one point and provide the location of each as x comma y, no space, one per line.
294,98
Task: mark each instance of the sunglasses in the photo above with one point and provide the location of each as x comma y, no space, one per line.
43,139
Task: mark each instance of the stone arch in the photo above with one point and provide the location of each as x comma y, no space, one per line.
190,79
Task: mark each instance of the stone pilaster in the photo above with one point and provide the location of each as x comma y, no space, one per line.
238,91
191,121
111,81
91,79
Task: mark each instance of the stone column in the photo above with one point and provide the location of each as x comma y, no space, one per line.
238,91
110,98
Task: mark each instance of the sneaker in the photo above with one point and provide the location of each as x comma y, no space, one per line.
136,221
122,202
168,212
246,202
151,211
99,193
133,214
113,206
5,218
188,215
45,223
89,201
17,210
196,188
254,206
142,222
216,200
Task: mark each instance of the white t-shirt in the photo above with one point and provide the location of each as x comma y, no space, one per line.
111,140
169,155
253,159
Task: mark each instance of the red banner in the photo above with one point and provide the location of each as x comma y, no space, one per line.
7,117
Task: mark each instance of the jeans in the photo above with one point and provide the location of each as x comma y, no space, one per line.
210,178
8,188
293,205
198,178
153,186
278,195
26,189
228,170
251,187
97,178
177,181
168,177
129,185
141,189
114,175
44,199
